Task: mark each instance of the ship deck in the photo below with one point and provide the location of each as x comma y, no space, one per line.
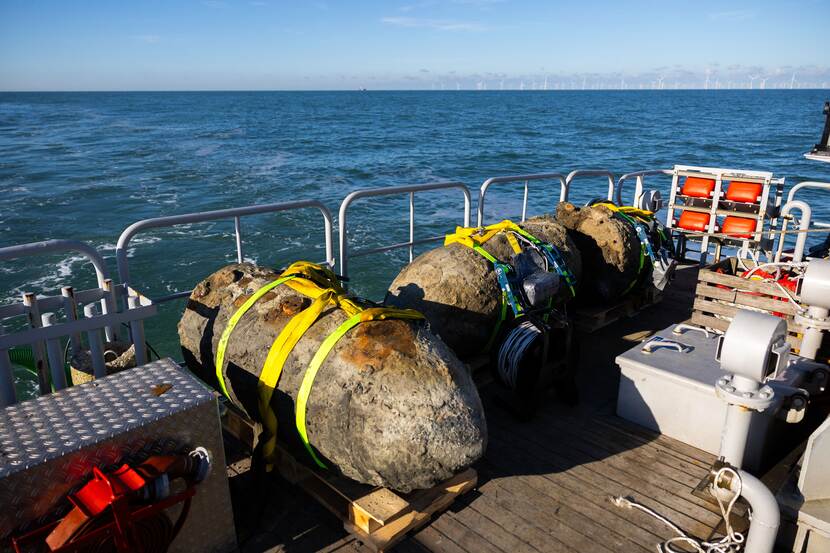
544,485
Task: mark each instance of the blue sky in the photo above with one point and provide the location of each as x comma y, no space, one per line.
411,44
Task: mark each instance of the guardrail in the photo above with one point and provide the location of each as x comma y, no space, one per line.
589,173
235,213
563,193
45,333
392,191
792,203
639,183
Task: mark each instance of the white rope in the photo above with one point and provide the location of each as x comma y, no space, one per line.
731,542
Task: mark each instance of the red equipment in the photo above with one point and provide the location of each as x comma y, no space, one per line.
123,511
746,192
694,220
738,227
698,187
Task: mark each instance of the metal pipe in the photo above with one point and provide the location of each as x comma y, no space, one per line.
590,173
108,305
766,517
49,246
55,355
482,193
735,433
813,337
137,334
804,224
159,222
411,226
237,228
38,349
70,307
388,191
96,345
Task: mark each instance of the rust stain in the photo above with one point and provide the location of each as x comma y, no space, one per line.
240,300
375,341
159,389
293,304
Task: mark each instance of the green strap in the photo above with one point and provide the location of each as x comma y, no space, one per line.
235,318
308,380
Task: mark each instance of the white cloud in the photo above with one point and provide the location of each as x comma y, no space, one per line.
435,24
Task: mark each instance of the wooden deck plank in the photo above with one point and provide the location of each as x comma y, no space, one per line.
539,538
682,472
697,456
435,541
559,518
608,482
466,536
635,462
568,496
483,526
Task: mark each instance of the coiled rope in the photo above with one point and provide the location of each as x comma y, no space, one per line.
513,349
731,542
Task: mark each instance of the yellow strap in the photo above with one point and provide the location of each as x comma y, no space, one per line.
469,236
272,369
511,239
320,284
643,214
235,318
370,314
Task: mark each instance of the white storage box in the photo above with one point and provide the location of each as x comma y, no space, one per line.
673,393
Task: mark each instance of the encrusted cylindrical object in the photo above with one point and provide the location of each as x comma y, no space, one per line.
390,406
610,251
458,290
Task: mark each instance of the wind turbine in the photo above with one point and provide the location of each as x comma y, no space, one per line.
546,83
660,82
792,82
763,83
706,84
752,80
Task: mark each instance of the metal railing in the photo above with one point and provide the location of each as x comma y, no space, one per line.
639,183
235,213
45,334
519,178
588,173
806,219
392,191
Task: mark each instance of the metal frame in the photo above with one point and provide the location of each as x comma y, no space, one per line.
45,334
765,178
589,173
639,183
563,190
235,213
393,191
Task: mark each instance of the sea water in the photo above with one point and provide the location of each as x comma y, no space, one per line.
84,166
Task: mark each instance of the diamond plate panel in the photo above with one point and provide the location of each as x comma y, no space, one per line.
49,445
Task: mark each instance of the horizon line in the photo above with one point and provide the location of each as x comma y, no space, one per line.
610,89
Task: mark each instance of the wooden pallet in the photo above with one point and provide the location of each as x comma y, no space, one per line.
720,294
591,319
377,516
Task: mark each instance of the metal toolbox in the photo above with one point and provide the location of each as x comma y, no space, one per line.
673,392
49,446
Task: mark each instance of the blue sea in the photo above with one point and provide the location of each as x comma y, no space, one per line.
86,165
